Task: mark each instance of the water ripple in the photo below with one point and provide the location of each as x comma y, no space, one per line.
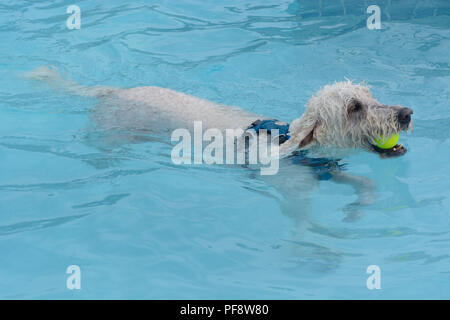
37,224
76,183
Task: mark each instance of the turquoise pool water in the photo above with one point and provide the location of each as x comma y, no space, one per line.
139,226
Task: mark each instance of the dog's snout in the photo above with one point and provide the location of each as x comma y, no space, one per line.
404,116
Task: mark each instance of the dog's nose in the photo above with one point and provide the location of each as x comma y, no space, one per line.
404,116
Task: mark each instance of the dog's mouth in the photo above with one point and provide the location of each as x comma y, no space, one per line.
395,151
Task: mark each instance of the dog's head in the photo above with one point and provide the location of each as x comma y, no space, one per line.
345,116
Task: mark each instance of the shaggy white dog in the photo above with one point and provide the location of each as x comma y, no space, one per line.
339,119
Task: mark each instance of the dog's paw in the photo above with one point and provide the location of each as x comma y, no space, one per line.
353,212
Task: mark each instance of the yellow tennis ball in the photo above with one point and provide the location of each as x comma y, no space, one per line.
389,143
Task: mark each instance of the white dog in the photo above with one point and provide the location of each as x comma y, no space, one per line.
339,119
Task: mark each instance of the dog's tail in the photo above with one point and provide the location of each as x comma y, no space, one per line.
51,76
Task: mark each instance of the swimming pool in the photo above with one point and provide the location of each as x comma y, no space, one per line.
139,226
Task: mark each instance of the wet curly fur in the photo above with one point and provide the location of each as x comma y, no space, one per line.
344,116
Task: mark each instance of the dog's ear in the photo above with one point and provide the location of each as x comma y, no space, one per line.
302,134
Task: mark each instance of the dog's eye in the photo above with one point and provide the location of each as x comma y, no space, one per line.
355,106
